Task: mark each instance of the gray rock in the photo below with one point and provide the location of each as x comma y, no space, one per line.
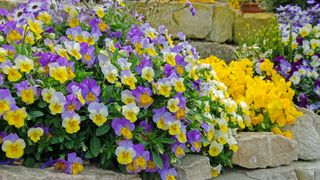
90,173
263,149
307,170
222,51
279,173
193,167
306,131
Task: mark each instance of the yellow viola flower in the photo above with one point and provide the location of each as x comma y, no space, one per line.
130,111
215,149
13,146
71,122
16,117
36,27
35,134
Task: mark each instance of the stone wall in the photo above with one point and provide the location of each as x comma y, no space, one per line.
216,28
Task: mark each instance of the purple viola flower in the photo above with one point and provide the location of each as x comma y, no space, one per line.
74,165
123,127
142,156
72,103
90,90
168,70
61,165
87,53
178,149
303,100
181,36
135,34
146,126
145,62
180,65
183,100
143,96
168,173
194,138
197,85
162,117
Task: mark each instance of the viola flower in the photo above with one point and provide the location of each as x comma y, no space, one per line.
209,129
142,156
168,174
147,126
125,152
73,49
164,87
143,96
147,73
123,127
6,101
98,113
110,72
127,97
170,58
317,90
90,90
47,94
215,148
178,84
87,53
57,103
194,138
24,64
74,165
3,54
151,166
124,64
12,32
173,105
10,70
130,111
2,135
71,122
13,146
44,17
161,117
27,93
215,171
174,127
178,149
72,103
127,78
16,117
59,73
61,165
35,133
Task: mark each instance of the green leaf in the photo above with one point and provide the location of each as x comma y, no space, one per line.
102,130
95,145
166,140
35,114
157,159
42,104
88,155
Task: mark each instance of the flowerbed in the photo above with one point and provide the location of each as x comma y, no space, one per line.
265,92
294,49
96,85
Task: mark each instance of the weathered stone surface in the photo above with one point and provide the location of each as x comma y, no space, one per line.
222,24
307,170
248,23
213,22
90,173
263,149
306,133
9,4
222,51
279,173
193,167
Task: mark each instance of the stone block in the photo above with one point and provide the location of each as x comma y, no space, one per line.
306,132
222,51
193,167
263,149
90,173
247,24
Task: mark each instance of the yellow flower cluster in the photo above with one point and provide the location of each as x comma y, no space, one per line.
267,94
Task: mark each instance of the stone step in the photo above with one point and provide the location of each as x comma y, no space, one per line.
89,173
